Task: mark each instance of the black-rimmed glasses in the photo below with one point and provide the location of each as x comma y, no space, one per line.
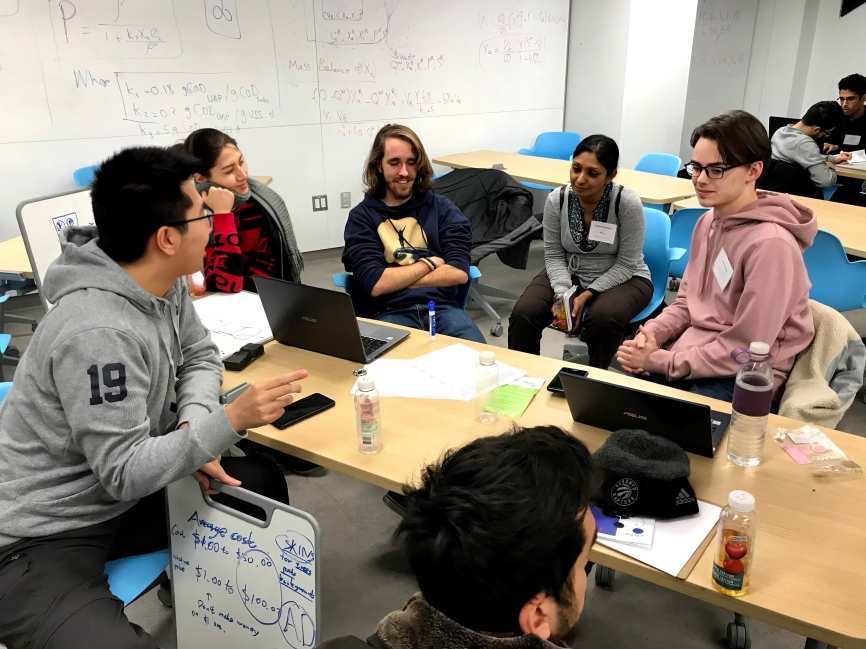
714,172
208,215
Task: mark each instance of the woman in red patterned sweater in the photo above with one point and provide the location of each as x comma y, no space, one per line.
249,223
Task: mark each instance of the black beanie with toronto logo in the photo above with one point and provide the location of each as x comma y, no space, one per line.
644,475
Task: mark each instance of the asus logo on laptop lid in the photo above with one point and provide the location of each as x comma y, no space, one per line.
308,319
631,414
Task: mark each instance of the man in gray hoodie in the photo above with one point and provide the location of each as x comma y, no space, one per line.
796,143
90,434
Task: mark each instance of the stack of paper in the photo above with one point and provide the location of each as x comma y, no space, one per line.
234,319
674,542
454,368
448,373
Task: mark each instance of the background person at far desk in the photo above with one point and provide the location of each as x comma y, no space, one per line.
405,244
745,280
252,233
796,144
850,135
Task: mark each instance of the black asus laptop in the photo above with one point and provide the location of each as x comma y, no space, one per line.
322,321
694,426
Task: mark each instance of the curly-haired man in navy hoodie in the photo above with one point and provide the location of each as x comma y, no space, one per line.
406,245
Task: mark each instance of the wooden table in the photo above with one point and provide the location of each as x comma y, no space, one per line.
851,172
848,222
265,180
652,188
13,258
810,573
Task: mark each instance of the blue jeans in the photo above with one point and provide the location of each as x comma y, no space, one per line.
450,321
715,388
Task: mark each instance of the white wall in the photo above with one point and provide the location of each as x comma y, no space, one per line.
656,77
597,47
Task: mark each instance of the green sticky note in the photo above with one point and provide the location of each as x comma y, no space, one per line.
512,400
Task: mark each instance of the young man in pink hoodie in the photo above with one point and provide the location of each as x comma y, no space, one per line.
745,281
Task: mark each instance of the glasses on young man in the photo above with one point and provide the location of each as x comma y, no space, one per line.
714,172
208,215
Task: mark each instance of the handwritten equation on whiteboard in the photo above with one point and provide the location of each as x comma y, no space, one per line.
245,583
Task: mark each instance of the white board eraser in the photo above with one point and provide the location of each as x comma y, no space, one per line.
499,166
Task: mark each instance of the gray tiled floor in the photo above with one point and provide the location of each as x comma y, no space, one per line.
365,576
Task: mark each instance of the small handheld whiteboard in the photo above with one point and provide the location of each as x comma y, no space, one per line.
41,220
238,581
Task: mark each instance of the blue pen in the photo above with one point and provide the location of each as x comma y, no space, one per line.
431,310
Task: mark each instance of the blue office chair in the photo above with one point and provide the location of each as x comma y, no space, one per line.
658,255
829,191
346,282
4,387
132,577
558,145
682,225
836,282
84,177
663,164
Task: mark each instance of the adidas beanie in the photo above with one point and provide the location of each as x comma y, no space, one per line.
644,475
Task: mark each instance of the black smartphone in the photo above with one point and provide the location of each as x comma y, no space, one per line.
556,385
302,409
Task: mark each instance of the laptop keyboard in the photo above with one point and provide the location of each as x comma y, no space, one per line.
372,344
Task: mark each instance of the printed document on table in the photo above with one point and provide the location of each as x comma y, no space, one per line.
398,378
234,320
454,367
674,541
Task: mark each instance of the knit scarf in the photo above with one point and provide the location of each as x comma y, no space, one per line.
579,232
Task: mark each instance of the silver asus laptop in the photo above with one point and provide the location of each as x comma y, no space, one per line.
323,321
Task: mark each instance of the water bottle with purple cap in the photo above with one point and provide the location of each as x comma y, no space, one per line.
753,398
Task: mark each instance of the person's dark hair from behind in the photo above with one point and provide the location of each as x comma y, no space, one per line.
825,114
205,145
497,522
856,83
604,148
739,136
136,192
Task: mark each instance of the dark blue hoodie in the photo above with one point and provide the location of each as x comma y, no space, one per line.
426,225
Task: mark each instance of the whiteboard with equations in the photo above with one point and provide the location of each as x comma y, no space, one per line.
303,85
721,50
238,581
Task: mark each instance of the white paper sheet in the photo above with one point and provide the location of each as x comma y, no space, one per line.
674,542
234,320
398,378
454,367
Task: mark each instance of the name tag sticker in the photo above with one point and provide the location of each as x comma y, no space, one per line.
851,140
602,232
722,269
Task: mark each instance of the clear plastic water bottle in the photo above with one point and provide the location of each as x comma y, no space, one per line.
486,388
753,397
368,418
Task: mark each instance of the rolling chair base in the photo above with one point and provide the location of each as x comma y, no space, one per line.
477,293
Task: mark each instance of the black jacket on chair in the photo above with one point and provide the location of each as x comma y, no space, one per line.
789,178
499,209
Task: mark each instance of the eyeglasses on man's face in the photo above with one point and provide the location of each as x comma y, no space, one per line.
208,214
714,172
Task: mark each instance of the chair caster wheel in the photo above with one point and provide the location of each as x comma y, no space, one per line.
738,636
163,594
604,576
496,329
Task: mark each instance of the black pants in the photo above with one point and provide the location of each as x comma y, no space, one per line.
603,326
53,590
